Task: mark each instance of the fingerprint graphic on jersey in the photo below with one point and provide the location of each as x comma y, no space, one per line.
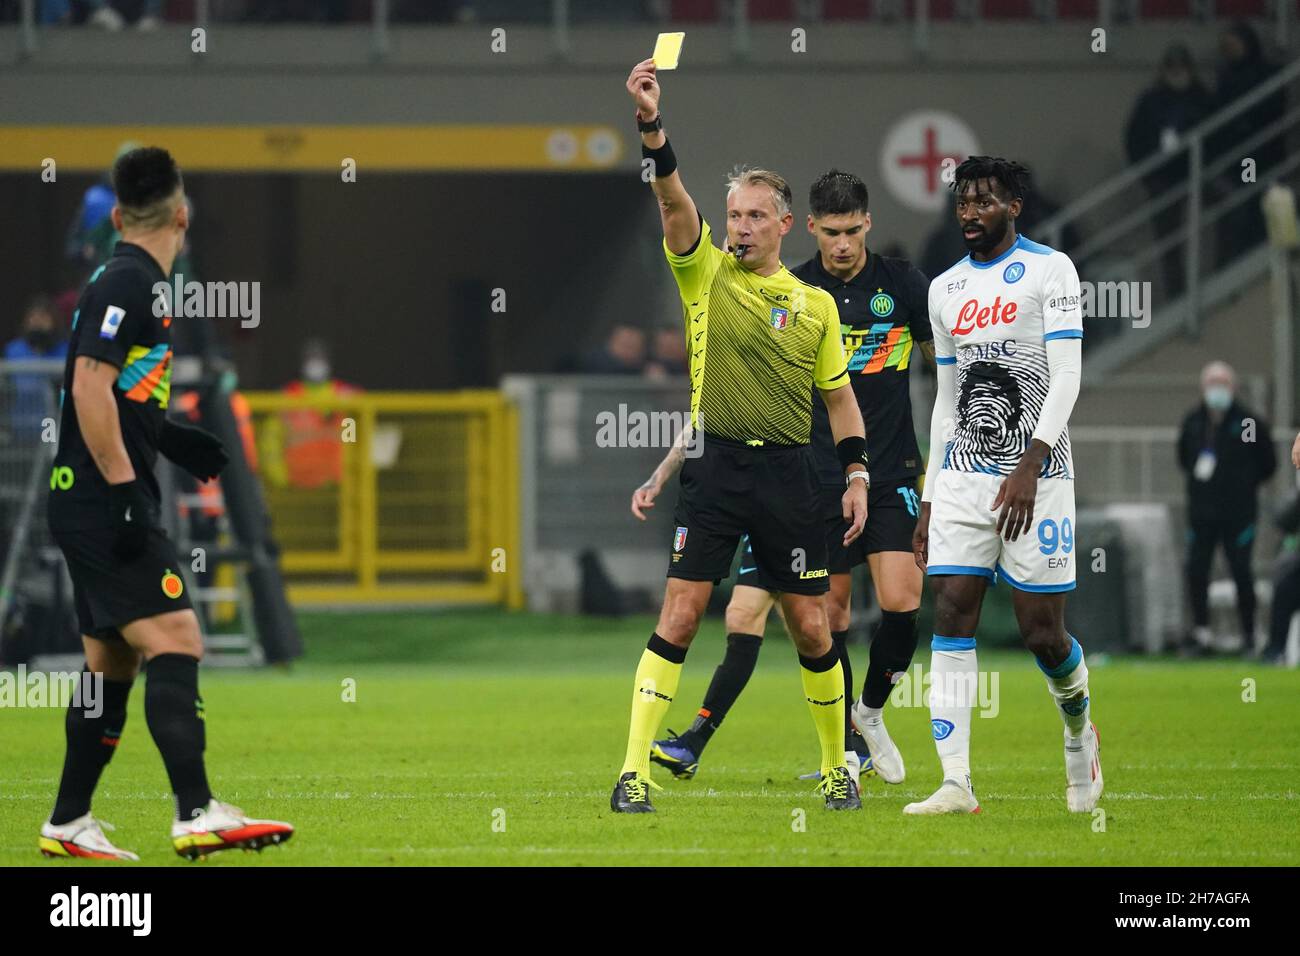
998,403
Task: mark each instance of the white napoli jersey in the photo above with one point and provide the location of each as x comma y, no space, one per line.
993,320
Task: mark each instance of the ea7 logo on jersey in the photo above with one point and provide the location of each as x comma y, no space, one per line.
974,316
113,317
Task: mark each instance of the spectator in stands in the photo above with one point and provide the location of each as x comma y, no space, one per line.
1171,106
329,11
624,353
91,235
41,337
668,353
102,14
1286,580
1243,67
1227,453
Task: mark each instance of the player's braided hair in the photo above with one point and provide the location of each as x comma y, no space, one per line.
1012,176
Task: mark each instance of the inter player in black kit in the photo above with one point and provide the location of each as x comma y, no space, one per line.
104,513
884,321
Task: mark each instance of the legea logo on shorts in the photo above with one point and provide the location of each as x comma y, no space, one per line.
942,728
819,573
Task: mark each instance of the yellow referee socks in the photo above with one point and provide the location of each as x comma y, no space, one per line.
656,684
823,686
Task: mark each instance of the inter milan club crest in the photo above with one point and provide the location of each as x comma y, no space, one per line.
882,303
780,318
679,539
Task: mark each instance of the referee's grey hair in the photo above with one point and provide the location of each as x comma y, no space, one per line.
742,176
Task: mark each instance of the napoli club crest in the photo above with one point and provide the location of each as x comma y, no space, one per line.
780,318
1013,272
679,539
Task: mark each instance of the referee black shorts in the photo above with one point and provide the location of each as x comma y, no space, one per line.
769,492
110,593
892,508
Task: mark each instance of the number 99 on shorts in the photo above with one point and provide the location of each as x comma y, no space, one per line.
1056,541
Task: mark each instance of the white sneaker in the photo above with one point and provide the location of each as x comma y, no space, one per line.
885,758
1083,771
148,23
951,797
854,763
106,18
82,837
219,826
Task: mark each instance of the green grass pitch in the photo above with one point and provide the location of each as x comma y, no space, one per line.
486,738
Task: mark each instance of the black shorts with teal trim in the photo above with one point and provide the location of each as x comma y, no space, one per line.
891,518
892,509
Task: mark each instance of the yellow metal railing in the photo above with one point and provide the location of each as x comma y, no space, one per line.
420,502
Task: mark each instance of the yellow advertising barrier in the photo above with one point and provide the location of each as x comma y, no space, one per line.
393,497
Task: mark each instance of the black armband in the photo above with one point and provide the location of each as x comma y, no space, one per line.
665,163
852,451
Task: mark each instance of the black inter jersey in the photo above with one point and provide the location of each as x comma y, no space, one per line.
883,312
115,323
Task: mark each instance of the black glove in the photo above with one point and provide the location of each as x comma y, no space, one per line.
198,452
133,519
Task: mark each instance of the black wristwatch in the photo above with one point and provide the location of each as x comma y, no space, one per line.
655,124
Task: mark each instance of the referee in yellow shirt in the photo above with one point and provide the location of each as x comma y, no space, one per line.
759,340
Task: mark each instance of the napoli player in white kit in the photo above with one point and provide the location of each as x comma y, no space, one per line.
999,489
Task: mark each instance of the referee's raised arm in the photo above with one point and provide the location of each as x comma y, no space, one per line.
676,208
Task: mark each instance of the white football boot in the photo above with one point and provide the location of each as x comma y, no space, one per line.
854,763
951,797
219,826
82,837
885,758
1083,771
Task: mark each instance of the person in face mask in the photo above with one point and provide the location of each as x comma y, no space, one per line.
1226,453
39,338
303,447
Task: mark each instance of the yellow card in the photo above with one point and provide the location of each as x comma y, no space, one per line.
668,50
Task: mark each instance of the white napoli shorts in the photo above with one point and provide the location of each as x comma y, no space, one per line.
964,537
